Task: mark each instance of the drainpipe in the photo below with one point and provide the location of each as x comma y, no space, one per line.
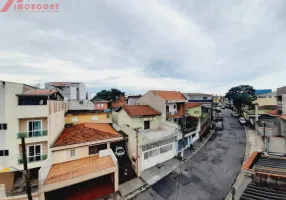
137,157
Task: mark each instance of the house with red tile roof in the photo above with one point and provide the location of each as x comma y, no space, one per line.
151,140
170,103
81,154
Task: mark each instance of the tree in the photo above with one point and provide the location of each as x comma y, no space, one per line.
242,96
109,94
242,89
242,100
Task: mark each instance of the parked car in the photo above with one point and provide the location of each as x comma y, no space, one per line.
219,125
242,120
119,151
235,114
222,107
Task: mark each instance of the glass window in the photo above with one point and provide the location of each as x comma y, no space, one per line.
74,119
4,152
94,118
146,124
34,153
96,148
34,128
107,116
3,126
72,153
166,148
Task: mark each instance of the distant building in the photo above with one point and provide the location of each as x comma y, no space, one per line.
262,91
70,90
100,104
132,100
281,100
82,116
198,97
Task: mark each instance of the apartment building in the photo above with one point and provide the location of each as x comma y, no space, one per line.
198,97
82,164
281,100
38,116
70,90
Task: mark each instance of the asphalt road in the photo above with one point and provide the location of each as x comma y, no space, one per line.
208,175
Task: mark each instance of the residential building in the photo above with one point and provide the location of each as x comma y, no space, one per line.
70,90
194,109
170,103
281,100
80,105
151,140
82,116
198,97
266,99
82,163
132,99
100,104
37,115
267,174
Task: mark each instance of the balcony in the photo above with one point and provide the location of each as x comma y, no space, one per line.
32,111
33,159
32,134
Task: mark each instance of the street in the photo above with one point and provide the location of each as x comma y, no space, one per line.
208,175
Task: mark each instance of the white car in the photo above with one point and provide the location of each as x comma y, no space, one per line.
119,151
235,114
242,120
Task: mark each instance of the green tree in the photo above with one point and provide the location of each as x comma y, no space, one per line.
109,94
242,96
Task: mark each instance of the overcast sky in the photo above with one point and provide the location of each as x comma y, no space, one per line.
137,45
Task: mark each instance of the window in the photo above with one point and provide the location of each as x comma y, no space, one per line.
174,106
98,105
3,126
72,153
108,115
34,128
4,153
34,153
94,118
166,148
80,102
205,98
146,124
74,119
96,148
194,135
101,105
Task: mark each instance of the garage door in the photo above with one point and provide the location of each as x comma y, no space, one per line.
157,152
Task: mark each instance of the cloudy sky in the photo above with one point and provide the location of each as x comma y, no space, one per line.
137,45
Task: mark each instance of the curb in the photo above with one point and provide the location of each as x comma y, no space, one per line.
228,196
145,187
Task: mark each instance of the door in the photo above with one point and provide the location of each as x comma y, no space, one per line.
34,153
34,128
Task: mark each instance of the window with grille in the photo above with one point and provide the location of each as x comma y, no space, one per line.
34,128
72,153
74,119
94,118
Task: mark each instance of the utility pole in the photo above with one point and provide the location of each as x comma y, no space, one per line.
26,173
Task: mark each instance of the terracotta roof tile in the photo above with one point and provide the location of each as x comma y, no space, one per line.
193,104
169,95
86,132
140,110
71,169
40,92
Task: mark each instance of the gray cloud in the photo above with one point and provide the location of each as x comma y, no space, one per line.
139,45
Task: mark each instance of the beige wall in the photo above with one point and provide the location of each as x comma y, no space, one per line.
56,120
125,119
266,101
80,152
154,101
196,111
23,126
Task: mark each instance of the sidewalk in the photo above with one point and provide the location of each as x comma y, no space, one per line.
156,173
253,143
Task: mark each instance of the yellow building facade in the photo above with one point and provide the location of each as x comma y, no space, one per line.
77,118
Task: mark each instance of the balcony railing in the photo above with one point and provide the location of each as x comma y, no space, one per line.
33,159
32,134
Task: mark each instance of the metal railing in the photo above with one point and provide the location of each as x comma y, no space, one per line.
35,158
172,113
32,134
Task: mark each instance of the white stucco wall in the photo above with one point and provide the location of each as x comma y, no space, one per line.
284,104
171,107
82,91
2,115
75,105
134,122
11,143
154,101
